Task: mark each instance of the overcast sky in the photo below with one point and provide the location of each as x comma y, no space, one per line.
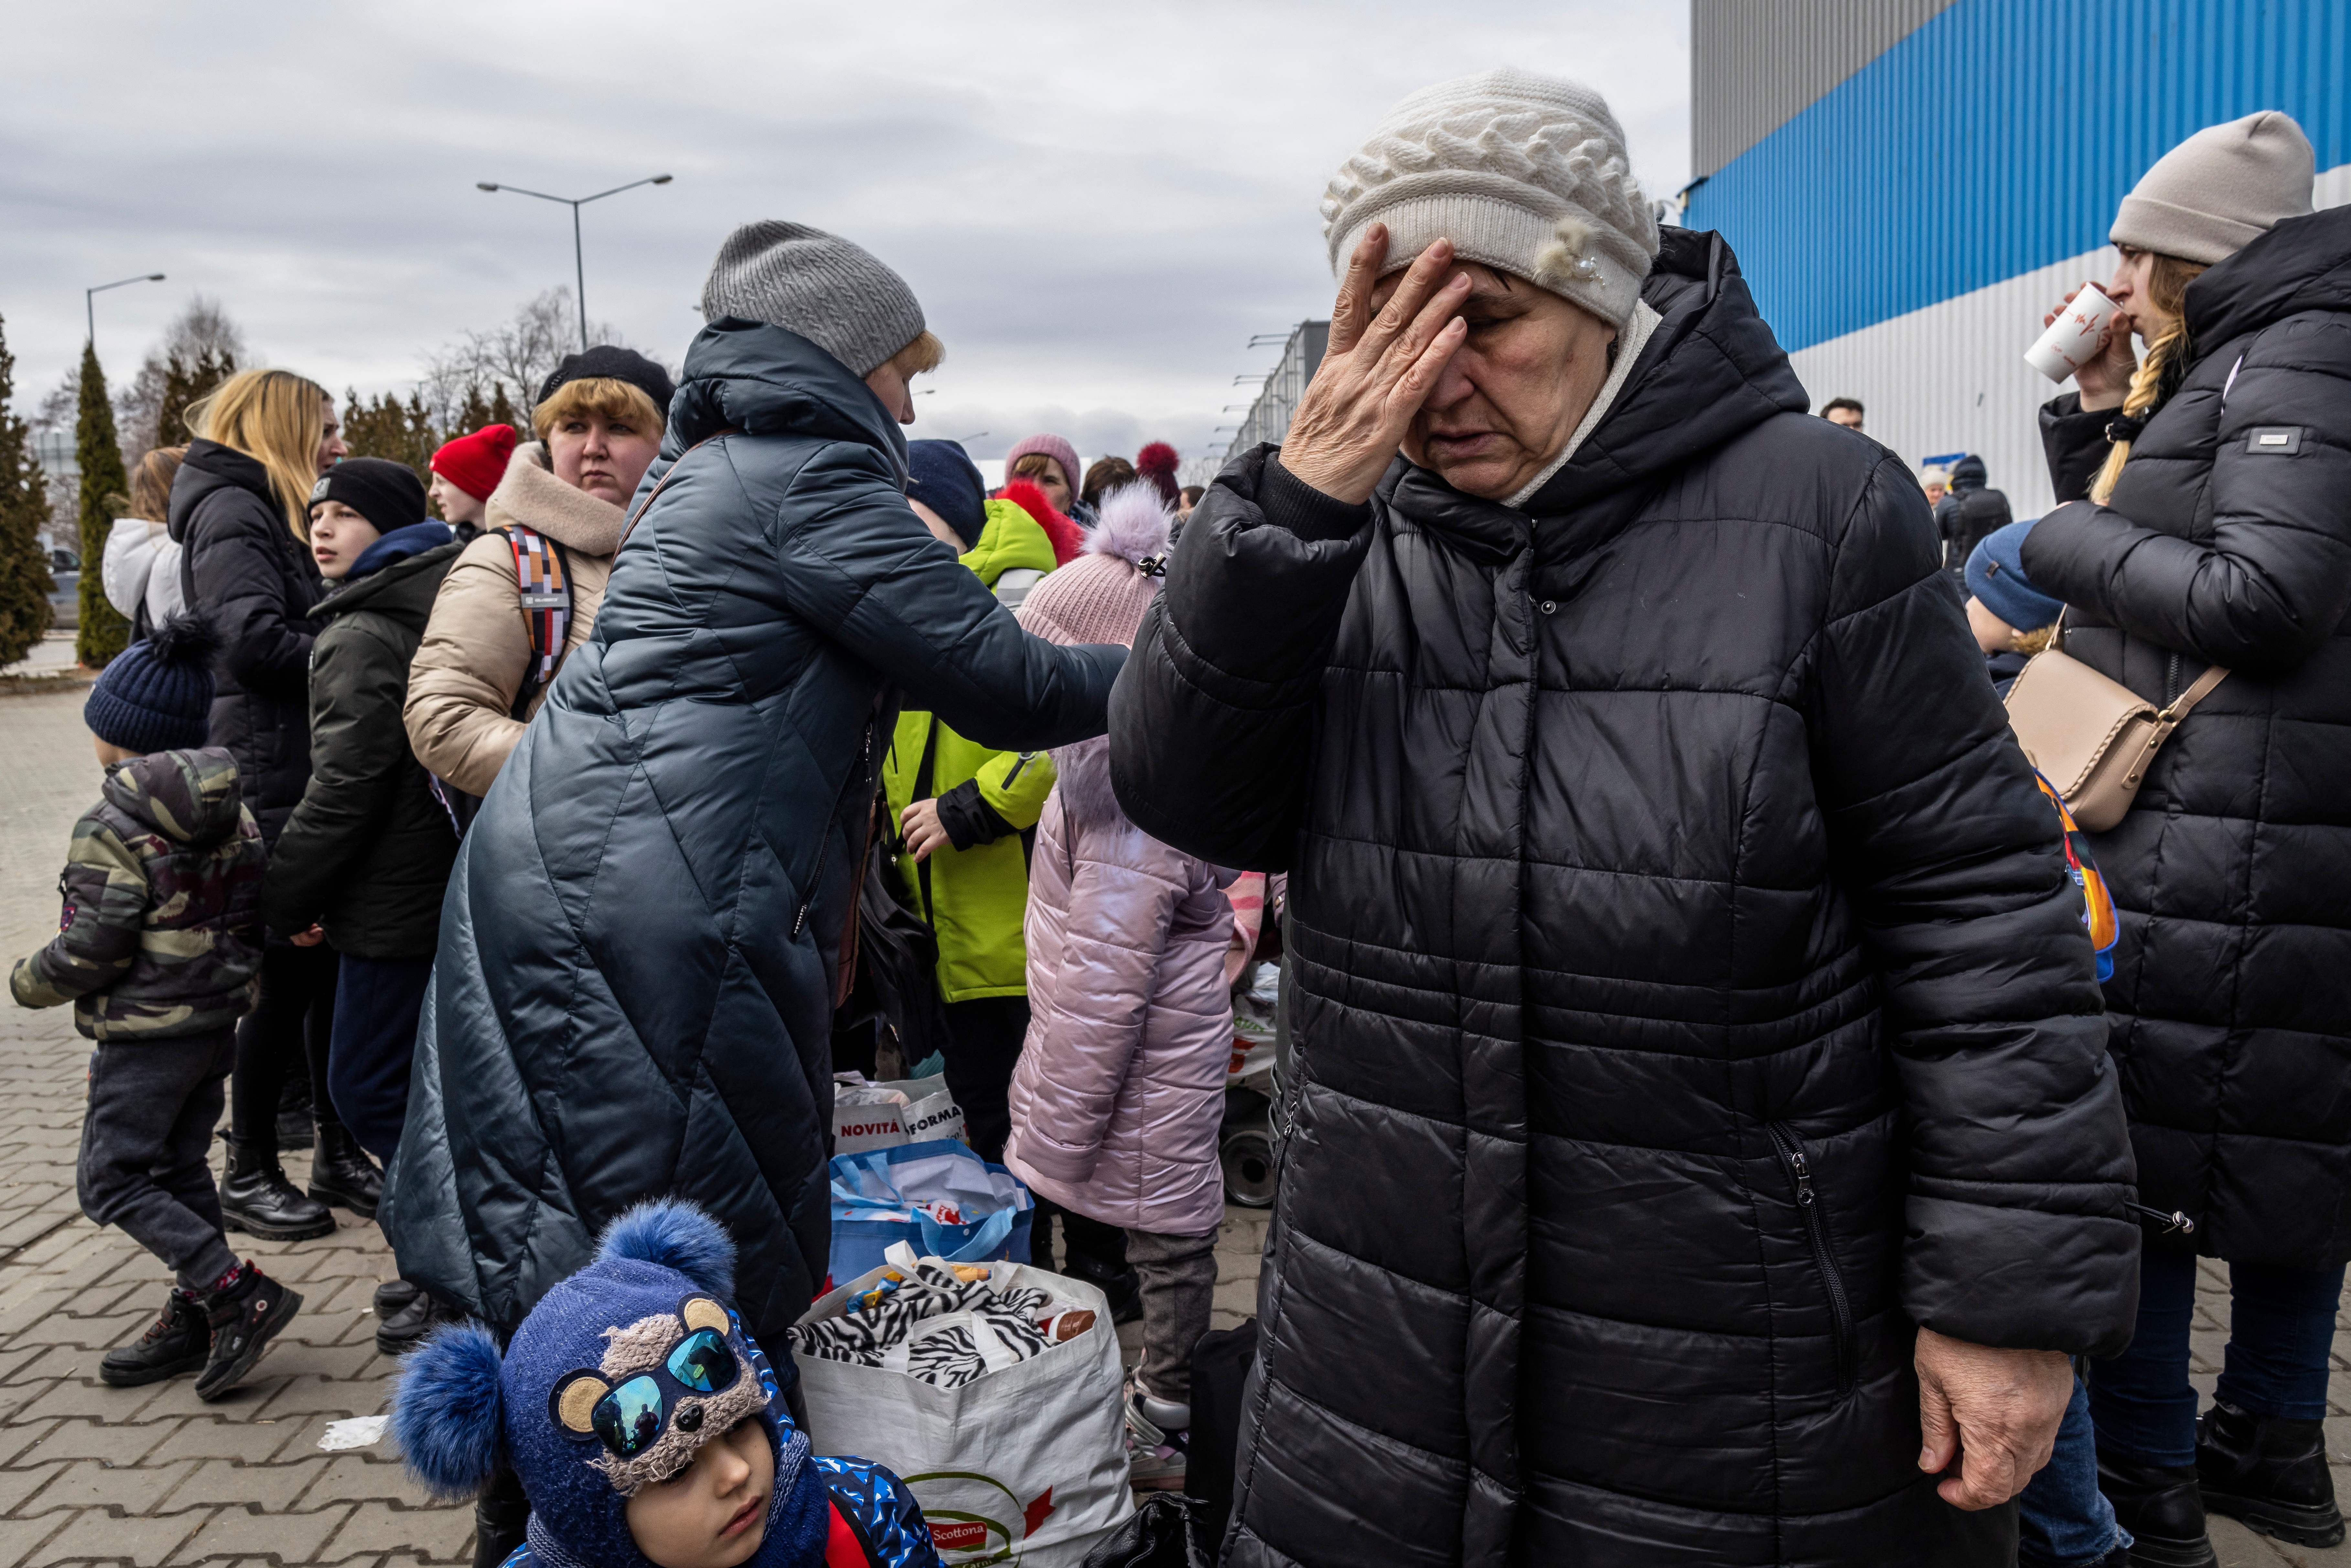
1097,205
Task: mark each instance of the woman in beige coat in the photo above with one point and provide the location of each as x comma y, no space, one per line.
477,677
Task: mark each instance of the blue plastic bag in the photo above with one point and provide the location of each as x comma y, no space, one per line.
882,1195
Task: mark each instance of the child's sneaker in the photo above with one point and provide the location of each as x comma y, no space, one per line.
176,1343
1156,1460
246,1313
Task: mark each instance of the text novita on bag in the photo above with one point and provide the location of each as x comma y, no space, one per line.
884,1116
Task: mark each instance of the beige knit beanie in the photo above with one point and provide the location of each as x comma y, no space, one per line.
1101,596
1524,173
2219,190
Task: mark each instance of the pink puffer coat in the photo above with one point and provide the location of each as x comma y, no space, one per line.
1120,1088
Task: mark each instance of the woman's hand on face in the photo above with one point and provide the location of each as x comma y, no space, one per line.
1378,371
2104,377
919,826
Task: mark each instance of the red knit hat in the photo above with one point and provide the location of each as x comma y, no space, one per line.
475,463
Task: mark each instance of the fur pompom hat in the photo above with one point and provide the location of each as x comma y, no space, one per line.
1525,173
615,1381
1101,596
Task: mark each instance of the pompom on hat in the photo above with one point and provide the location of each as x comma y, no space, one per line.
1525,173
1101,596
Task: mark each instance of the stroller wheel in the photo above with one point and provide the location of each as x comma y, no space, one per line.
1247,1152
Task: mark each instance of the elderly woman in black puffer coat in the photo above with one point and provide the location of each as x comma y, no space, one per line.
2216,532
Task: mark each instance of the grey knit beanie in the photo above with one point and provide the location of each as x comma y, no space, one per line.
1524,173
831,291
2221,190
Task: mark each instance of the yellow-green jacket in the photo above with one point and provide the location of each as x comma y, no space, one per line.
976,894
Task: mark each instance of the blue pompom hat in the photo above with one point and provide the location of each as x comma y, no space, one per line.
1996,576
157,695
619,1355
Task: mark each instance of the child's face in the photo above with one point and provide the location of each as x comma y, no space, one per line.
338,536
713,1513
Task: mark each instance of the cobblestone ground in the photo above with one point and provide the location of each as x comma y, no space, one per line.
153,1477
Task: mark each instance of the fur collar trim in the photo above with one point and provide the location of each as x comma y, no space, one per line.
531,495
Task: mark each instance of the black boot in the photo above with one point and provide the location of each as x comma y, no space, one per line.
256,1199
245,1314
294,1111
341,1173
176,1343
2159,1505
406,1313
2270,1472
500,1515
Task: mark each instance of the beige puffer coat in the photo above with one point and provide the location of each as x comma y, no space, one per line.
476,650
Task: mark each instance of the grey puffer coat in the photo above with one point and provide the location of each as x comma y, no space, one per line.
645,934
2228,541
1688,995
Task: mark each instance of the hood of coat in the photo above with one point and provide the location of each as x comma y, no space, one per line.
1082,779
531,497
1968,473
764,381
405,590
1712,371
190,796
1010,540
208,468
2302,264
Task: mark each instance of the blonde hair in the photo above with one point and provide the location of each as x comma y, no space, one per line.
2158,374
275,418
924,354
607,397
150,484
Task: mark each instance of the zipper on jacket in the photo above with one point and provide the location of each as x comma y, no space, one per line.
824,844
2170,680
1816,1229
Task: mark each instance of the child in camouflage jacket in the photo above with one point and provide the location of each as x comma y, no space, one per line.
157,949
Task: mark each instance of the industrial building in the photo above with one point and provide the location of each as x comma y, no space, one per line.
1909,185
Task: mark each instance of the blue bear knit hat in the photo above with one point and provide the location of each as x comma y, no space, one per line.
1996,576
157,695
942,476
619,1356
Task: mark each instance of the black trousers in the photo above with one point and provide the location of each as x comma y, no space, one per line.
145,1139
294,1021
983,1046
377,1004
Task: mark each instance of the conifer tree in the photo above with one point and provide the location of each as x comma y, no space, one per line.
185,381
24,581
102,632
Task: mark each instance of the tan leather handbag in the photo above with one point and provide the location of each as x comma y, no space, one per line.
2092,737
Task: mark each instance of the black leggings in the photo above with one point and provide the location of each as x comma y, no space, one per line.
293,1022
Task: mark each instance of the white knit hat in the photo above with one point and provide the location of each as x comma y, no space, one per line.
1521,172
2221,190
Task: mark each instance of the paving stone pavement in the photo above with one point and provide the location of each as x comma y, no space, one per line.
153,1477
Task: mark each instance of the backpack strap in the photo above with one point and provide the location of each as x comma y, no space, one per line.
543,591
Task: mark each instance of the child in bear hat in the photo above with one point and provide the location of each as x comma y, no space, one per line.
645,1424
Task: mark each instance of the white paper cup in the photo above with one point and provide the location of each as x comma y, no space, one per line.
2073,339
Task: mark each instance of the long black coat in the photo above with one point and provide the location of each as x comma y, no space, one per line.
642,942
2229,1008
368,850
241,566
1689,993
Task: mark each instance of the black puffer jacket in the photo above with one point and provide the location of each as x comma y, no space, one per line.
242,565
642,946
368,850
2229,542
1688,994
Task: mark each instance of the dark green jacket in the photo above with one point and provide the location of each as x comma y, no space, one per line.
368,850
161,936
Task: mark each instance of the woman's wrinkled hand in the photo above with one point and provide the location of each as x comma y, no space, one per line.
1377,370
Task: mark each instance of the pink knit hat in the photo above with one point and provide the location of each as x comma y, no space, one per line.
1101,596
1052,447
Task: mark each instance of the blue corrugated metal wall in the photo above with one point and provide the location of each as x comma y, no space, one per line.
1998,138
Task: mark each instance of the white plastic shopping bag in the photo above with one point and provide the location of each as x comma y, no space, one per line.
881,1115
1025,1465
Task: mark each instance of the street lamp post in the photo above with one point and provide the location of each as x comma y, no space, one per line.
578,262
89,298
